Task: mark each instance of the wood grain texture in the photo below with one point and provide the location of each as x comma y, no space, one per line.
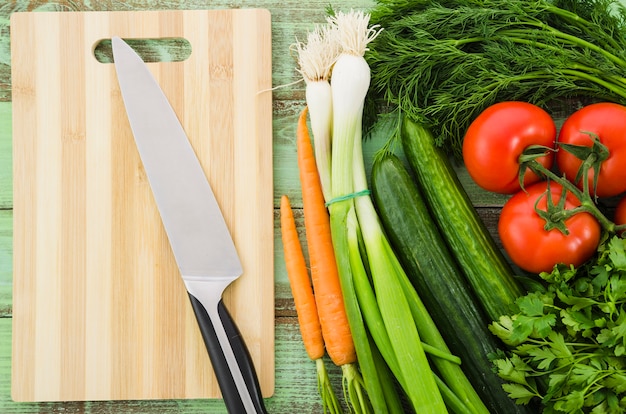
6,260
6,161
100,311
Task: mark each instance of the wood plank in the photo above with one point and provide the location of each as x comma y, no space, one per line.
6,159
6,263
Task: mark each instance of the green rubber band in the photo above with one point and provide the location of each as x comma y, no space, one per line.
348,197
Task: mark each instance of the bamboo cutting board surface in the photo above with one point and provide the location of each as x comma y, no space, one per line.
99,309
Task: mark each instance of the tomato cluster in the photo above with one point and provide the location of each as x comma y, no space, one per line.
555,179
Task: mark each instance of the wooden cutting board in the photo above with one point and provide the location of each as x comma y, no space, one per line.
99,309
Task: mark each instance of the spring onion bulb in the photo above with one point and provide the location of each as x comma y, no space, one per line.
315,62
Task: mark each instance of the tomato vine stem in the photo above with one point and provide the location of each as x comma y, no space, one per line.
587,202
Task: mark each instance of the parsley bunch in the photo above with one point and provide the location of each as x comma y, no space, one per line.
568,342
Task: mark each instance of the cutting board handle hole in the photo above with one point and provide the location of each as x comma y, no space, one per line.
166,49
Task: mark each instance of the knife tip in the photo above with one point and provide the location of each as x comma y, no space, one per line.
117,45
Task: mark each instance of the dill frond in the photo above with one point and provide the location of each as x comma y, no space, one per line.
443,62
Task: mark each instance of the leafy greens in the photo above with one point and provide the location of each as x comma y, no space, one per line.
568,342
442,62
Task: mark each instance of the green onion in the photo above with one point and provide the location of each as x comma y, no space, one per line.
350,82
315,60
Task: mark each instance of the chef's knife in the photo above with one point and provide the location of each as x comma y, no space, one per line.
200,240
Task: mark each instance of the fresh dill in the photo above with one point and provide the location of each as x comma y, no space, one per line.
443,62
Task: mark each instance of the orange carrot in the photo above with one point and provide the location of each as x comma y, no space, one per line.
306,308
300,283
324,272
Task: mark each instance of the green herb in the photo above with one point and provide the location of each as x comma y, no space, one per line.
568,342
443,62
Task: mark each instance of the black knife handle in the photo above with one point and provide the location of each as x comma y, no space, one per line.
232,398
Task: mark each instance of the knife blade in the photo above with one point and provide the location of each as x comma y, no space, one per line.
199,237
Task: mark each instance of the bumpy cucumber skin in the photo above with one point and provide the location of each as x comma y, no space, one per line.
438,280
485,267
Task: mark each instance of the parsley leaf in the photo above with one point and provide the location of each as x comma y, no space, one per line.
567,343
618,253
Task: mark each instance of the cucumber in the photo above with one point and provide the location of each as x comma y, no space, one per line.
488,272
438,280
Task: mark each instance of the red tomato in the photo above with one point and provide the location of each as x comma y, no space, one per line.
498,136
533,248
607,121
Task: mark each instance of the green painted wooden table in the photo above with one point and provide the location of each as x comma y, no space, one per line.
295,389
